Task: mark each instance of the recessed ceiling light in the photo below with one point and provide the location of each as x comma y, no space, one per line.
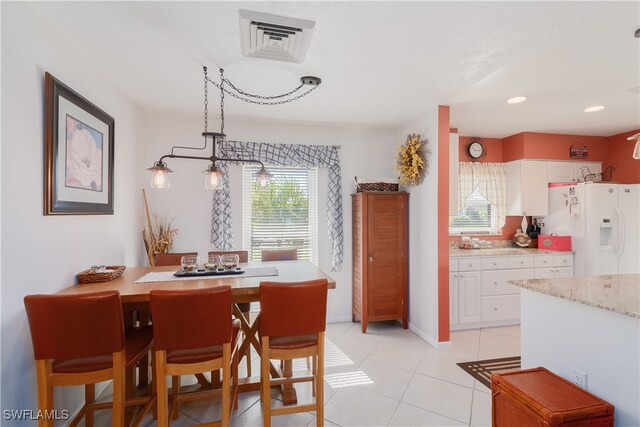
594,108
516,99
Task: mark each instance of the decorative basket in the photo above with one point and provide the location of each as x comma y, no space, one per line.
113,272
375,186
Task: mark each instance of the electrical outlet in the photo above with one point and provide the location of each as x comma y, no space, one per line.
579,378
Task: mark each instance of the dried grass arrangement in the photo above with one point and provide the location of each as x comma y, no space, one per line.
411,160
157,237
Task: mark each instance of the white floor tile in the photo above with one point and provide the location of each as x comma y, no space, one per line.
253,417
495,353
410,416
353,406
500,341
513,331
444,368
327,423
400,356
481,409
385,379
440,397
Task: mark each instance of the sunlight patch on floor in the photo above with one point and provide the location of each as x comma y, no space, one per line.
347,379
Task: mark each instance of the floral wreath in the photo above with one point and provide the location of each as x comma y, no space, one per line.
411,160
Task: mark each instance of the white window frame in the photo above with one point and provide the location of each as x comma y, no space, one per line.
492,229
248,179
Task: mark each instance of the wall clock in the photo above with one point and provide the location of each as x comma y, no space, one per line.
476,149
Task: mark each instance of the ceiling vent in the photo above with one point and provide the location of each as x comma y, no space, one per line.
273,37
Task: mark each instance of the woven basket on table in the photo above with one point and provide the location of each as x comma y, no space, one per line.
375,186
113,272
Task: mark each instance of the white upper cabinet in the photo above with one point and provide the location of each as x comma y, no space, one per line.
527,187
569,171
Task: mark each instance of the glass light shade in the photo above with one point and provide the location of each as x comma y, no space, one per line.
636,149
160,176
263,177
213,178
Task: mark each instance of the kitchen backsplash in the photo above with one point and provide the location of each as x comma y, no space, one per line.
494,243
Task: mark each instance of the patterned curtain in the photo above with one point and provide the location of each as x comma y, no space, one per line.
491,182
292,155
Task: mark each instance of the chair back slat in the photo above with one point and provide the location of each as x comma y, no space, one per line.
188,319
279,254
291,309
172,258
242,255
74,326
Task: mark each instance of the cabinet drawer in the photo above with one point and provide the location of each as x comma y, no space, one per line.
521,262
453,264
495,263
563,260
553,272
543,261
469,264
500,307
495,282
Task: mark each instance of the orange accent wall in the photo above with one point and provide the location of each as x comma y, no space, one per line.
620,155
552,146
443,223
513,147
494,149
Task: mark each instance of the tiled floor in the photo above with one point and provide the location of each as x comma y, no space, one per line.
386,377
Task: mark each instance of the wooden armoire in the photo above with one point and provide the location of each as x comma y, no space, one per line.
380,257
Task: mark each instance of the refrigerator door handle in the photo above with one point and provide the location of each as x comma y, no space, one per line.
621,232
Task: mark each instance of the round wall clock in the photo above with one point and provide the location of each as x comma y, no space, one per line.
476,149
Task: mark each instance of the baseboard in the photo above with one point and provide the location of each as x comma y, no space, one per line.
339,319
430,340
480,325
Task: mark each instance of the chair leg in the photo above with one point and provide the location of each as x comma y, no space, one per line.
175,392
161,388
45,390
314,370
247,354
319,379
89,399
265,381
234,374
119,388
226,384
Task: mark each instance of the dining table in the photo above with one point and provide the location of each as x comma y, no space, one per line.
135,283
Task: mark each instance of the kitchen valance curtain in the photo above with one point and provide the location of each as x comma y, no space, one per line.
491,182
292,155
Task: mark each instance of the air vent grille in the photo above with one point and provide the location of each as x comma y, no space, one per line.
273,37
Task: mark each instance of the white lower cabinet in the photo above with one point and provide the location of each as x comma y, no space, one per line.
469,291
479,295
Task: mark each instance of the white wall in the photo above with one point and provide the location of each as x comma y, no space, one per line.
364,153
423,234
41,254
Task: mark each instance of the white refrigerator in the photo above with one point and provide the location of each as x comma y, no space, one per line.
603,221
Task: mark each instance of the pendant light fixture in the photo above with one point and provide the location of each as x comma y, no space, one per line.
213,175
636,150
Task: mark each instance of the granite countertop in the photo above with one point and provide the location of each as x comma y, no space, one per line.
454,252
617,292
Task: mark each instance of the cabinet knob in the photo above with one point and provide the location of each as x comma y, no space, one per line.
521,262
495,308
370,259
470,265
495,283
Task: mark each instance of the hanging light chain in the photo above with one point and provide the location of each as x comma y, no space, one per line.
222,90
252,101
241,92
206,100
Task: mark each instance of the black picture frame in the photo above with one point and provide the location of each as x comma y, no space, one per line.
78,153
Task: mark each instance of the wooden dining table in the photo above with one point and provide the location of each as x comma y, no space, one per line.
135,299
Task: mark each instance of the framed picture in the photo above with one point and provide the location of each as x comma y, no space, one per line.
78,154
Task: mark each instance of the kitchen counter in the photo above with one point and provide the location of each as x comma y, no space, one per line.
455,252
618,292
587,327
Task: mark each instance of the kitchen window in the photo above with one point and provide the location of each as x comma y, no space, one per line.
478,216
284,214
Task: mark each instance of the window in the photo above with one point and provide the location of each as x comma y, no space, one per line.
477,217
284,214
